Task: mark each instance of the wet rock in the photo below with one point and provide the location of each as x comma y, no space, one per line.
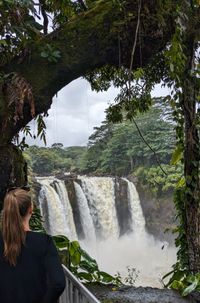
75,208
159,213
122,206
130,294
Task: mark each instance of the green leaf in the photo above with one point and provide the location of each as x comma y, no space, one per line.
177,155
181,182
190,288
73,247
76,258
178,285
88,266
3,42
87,257
85,276
105,277
44,54
61,241
171,67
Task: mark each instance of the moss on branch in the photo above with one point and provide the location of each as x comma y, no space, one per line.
87,42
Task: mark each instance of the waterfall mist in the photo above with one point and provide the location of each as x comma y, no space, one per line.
94,212
150,258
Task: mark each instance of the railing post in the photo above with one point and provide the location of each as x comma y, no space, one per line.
75,291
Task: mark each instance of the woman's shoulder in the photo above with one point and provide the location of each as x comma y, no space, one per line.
38,236
36,233
38,241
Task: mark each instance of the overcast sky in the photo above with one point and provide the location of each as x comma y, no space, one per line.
74,113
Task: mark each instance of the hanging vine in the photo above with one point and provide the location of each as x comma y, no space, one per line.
177,66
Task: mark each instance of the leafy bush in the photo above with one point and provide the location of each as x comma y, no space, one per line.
183,281
157,180
80,263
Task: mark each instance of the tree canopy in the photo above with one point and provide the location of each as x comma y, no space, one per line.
43,64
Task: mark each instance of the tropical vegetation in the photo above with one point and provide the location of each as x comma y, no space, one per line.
118,149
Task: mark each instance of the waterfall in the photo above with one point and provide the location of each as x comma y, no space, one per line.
138,220
89,206
55,208
95,203
63,195
86,219
99,192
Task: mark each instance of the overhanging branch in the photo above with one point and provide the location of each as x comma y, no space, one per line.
87,42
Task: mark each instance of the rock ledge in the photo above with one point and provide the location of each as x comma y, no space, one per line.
130,294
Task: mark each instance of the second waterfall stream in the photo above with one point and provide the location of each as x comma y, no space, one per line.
109,225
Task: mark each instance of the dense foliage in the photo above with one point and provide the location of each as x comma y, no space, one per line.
25,22
52,160
118,149
155,180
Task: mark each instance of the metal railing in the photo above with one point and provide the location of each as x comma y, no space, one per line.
75,291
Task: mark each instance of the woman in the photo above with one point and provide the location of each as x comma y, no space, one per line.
30,271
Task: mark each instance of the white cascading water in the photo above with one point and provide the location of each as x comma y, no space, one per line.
63,195
138,220
55,205
96,202
133,250
86,219
100,195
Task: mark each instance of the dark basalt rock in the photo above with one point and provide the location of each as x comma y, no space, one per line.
130,294
75,208
122,206
159,214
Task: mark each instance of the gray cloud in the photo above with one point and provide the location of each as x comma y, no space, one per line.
76,111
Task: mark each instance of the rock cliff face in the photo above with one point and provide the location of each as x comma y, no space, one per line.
159,214
69,182
122,207
128,294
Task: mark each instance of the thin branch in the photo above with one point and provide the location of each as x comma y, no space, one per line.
82,5
129,82
45,17
153,151
119,47
135,41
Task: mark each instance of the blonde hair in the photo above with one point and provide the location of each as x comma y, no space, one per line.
16,205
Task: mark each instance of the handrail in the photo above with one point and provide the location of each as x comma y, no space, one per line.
75,291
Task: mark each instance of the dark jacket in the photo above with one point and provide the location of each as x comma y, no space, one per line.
38,276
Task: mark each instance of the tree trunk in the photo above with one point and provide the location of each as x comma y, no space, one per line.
131,163
191,164
13,169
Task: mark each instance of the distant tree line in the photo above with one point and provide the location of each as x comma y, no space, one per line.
118,149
